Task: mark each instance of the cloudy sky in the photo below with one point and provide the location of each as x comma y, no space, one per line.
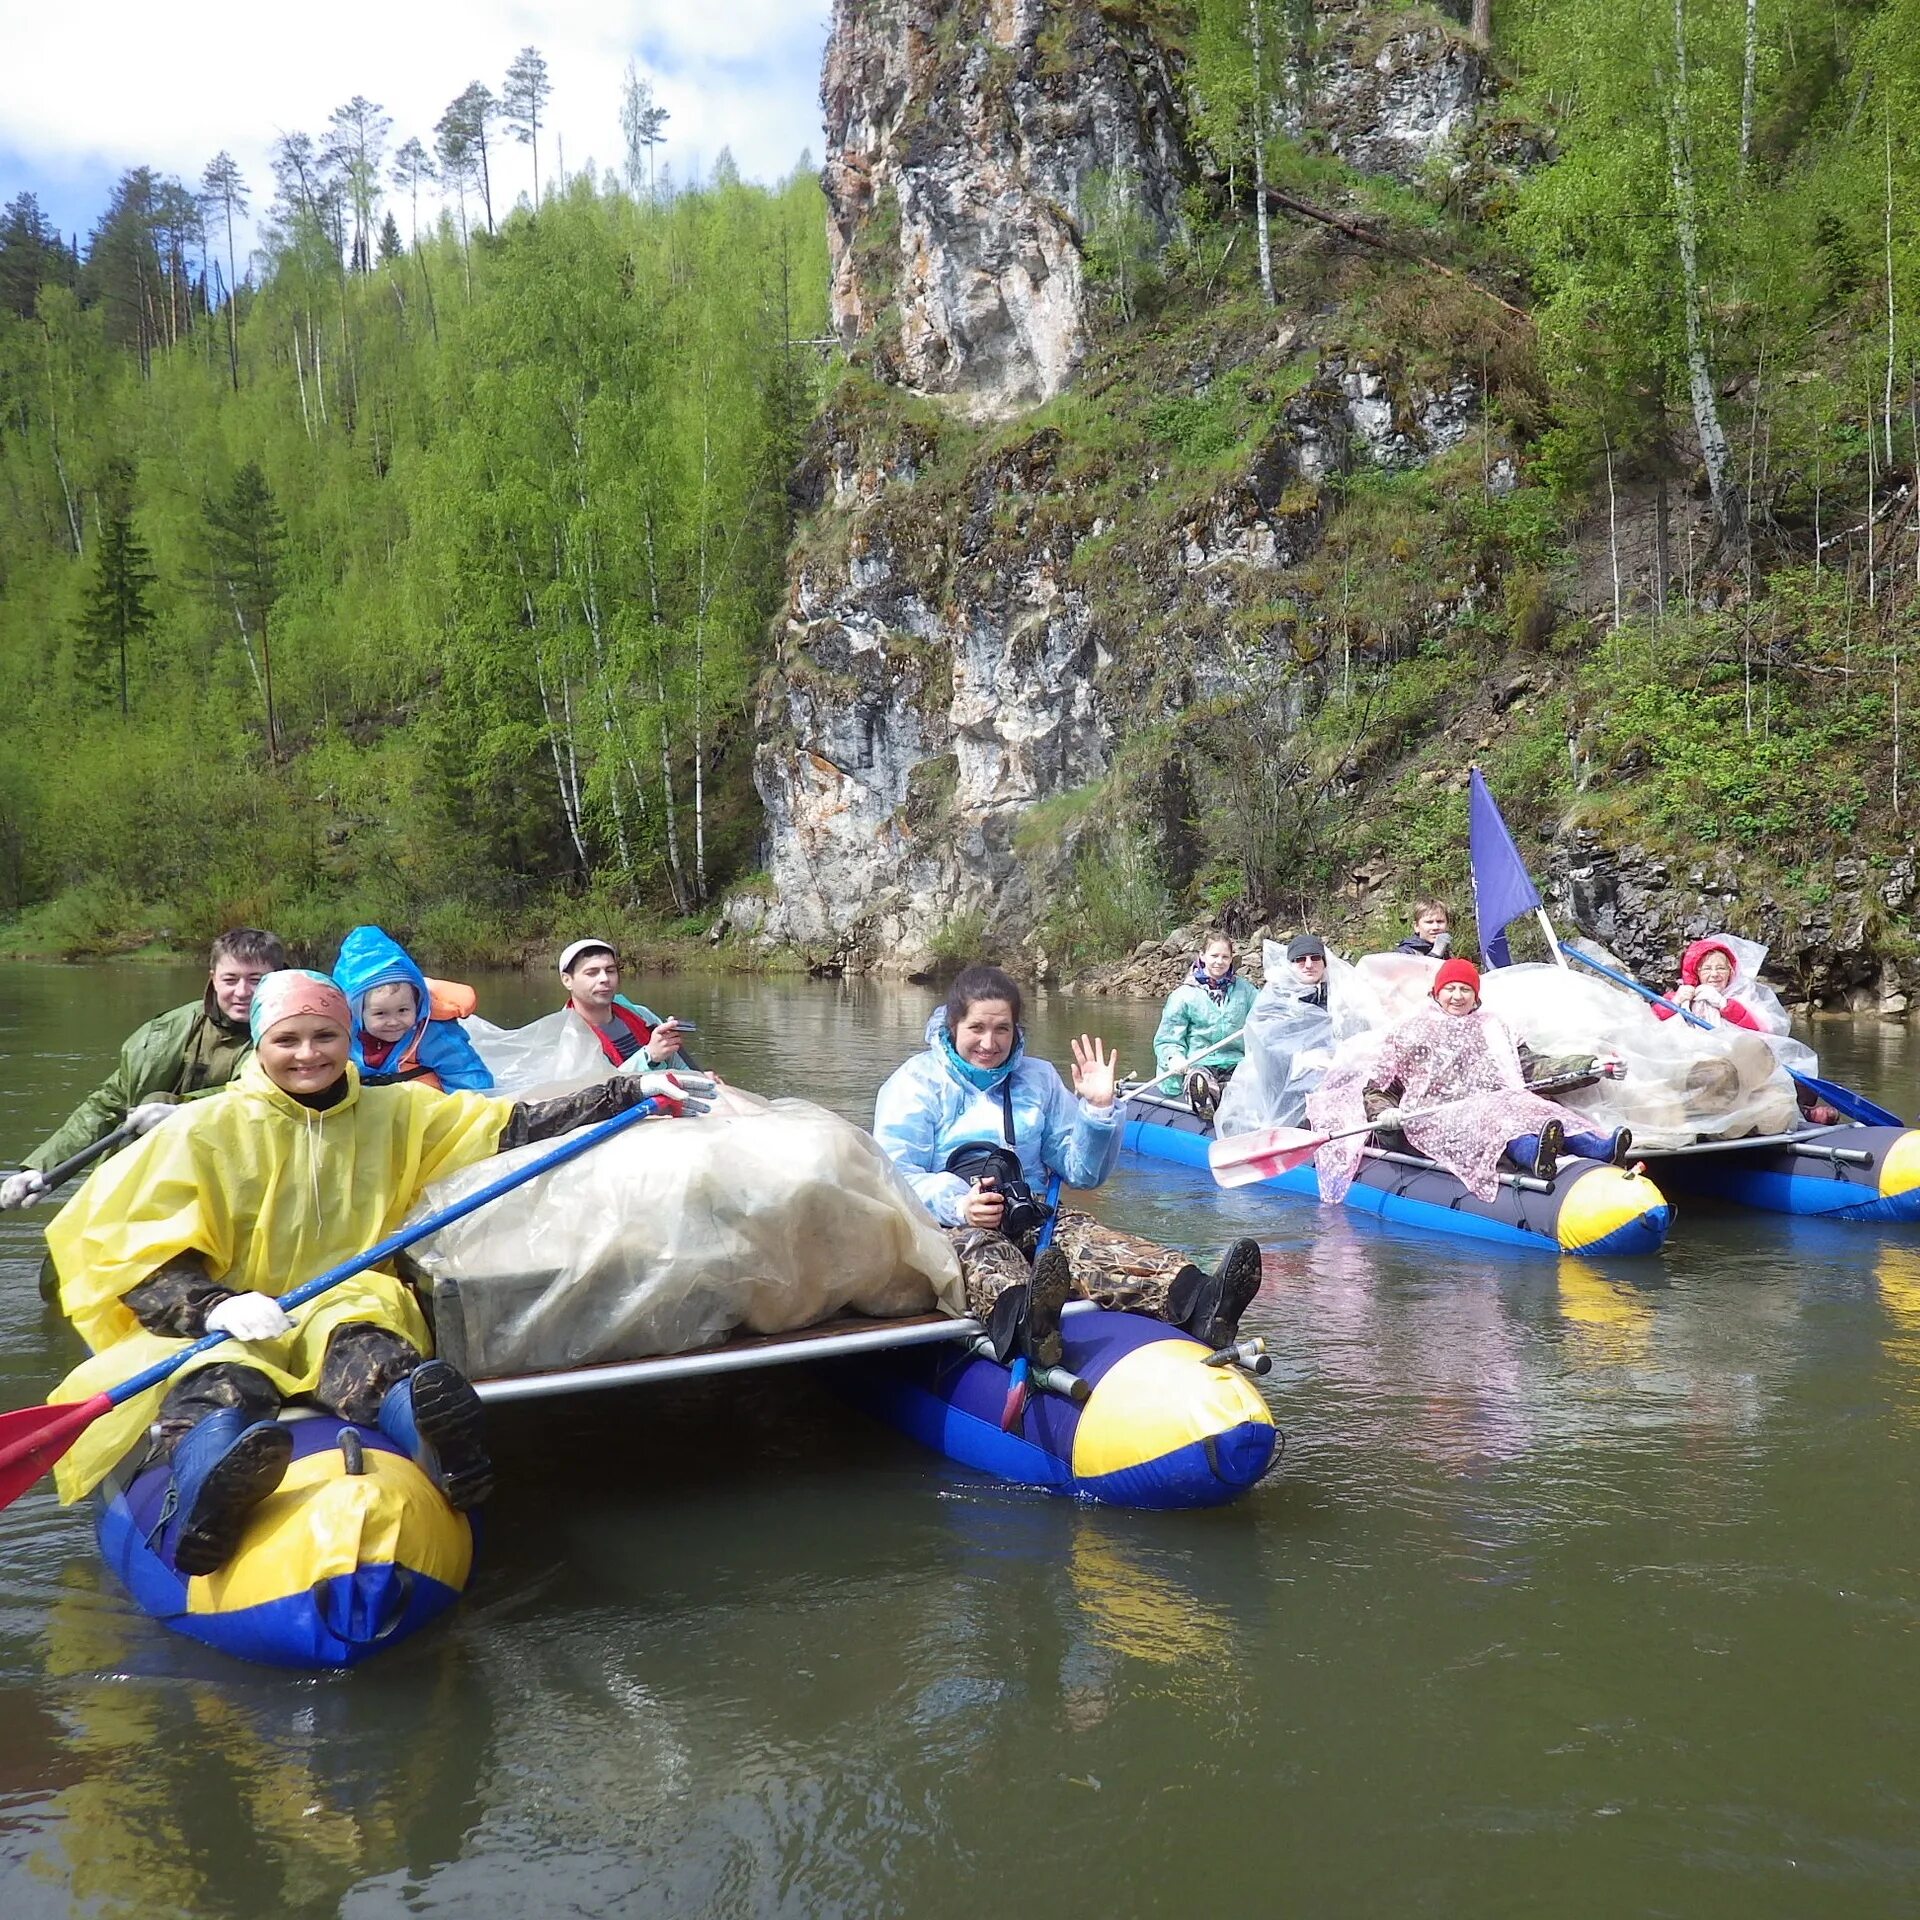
90,87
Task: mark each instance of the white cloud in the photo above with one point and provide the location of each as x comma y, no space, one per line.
93,86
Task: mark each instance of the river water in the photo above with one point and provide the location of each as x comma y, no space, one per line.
1581,1591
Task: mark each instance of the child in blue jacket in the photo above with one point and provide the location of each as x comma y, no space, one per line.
395,1036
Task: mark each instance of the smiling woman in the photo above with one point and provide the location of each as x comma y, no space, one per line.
982,1130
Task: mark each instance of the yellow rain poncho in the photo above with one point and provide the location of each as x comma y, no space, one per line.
270,1193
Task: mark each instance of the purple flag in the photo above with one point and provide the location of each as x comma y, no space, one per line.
1502,888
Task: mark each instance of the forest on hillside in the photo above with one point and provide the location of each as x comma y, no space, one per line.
1664,589
424,573
417,575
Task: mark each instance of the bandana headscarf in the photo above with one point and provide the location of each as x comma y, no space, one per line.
291,992
1220,988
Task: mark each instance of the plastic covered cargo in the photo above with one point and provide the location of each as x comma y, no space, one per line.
760,1218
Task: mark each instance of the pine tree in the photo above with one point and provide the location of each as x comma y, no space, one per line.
116,611
223,189
521,100
31,256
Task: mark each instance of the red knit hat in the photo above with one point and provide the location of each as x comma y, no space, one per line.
1457,970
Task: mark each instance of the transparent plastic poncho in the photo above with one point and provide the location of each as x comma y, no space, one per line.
1458,1080
1682,1083
761,1218
554,1054
1291,1043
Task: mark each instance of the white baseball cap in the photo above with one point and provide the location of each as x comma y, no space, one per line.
568,955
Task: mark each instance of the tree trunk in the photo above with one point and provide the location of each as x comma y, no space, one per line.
1746,85
1482,28
1714,451
1260,147
233,290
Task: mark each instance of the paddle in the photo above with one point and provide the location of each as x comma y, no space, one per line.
1015,1405
79,1162
1242,1158
1856,1106
34,1438
1193,1059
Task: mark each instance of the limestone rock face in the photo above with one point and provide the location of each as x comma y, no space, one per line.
965,138
1396,104
910,727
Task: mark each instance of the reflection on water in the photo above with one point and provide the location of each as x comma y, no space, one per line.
1584,1588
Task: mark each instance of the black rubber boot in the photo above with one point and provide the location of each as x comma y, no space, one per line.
435,1415
1007,1323
1553,1143
1185,1295
222,1470
1050,1290
1622,1149
1213,1310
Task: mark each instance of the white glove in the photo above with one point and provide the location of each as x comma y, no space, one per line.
148,1115
680,1089
1176,1063
1441,942
19,1188
1387,1117
1611,1067
250,1316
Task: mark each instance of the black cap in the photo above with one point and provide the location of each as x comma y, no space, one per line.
1306,946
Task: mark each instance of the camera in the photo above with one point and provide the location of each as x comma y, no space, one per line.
1026,1212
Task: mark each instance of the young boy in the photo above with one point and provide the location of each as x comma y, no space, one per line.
1432,930
395,1034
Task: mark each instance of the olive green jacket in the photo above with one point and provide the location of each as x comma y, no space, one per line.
179,1054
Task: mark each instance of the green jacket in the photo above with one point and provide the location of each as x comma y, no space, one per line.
1194,1020
182,1053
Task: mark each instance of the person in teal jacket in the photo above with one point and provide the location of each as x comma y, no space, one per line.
1208,1007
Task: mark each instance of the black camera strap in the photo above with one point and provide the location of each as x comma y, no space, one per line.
1006,1110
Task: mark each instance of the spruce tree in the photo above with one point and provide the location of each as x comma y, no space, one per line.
117,612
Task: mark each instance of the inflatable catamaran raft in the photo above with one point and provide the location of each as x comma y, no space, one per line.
618,1271
358,1549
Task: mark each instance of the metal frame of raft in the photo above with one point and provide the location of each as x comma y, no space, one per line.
1587,1208
1852,1173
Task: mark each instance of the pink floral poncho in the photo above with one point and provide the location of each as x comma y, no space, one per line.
1468,1059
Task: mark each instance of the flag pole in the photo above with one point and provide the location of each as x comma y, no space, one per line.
1546,927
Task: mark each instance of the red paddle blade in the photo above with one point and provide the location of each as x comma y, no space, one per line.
32,1439
1243,1158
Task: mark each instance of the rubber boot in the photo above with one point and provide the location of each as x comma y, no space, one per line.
1553,1143
222,1469
1212,1309
435,1415
1622,1148
1007,1323
1049,1290
1202,1089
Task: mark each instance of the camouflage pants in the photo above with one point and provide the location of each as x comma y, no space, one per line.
1110,1268
361,1363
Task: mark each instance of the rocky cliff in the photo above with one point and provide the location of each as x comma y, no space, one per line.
1123,592
984,606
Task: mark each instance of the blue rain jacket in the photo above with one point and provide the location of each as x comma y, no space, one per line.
371,957
926,1110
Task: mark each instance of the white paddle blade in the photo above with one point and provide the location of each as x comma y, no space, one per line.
1244,1158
